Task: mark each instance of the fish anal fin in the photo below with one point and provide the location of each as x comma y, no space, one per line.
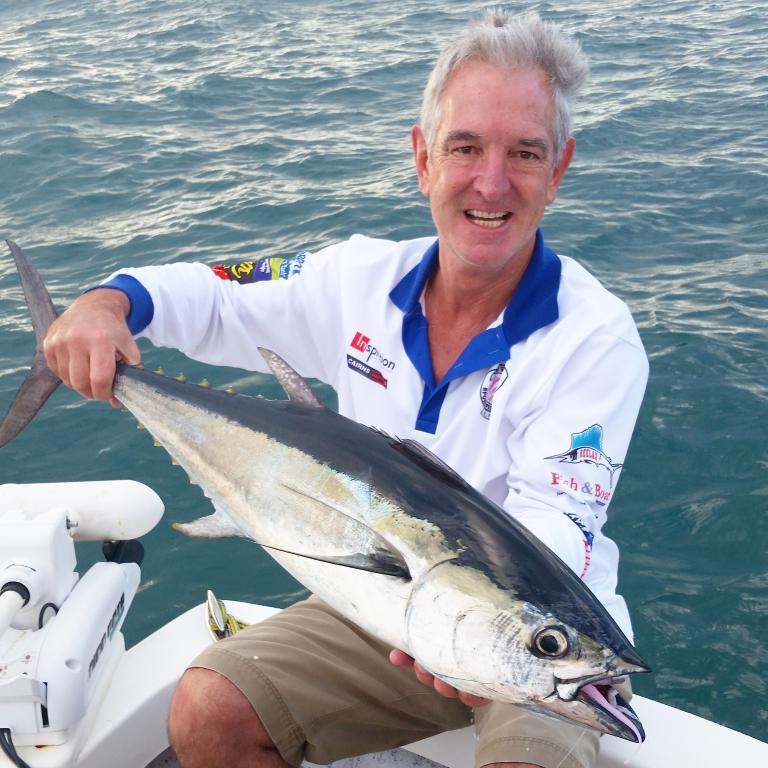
294,385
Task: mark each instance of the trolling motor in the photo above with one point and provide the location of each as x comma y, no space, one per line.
60,635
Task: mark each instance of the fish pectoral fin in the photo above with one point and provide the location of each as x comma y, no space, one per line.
218,526
366,549
294,385
383,562
214,526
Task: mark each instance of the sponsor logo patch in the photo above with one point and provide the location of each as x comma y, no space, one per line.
586,448
362,343
359,341
290,267
260,270
366,370
493,381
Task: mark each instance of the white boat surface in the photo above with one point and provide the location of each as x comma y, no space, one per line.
673,738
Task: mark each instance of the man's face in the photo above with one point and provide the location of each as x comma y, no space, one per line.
491,172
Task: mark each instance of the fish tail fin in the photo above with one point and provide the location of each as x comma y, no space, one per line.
40,382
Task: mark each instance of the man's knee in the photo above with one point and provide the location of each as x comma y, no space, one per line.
210,719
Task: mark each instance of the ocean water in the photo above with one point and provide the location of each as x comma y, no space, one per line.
146,131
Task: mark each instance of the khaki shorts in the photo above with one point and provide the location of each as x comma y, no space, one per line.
325,690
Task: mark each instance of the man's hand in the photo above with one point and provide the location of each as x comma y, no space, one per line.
402,659
83,345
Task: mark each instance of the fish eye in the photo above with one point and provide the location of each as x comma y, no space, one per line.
551,642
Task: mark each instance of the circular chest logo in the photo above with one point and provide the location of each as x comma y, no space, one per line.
492,382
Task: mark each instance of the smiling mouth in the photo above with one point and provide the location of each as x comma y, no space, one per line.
487,219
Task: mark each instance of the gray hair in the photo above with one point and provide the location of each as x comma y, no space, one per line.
511,42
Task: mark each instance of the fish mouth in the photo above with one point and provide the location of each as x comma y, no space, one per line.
608,703
609,710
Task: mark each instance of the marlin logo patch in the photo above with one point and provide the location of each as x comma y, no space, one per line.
492,382
587,448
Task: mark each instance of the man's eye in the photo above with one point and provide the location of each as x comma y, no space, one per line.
524,154
465,150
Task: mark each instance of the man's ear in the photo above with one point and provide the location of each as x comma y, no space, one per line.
420,158
560,168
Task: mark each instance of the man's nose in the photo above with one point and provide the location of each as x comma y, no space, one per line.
492,180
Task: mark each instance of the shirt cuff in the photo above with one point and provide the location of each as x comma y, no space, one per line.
142,307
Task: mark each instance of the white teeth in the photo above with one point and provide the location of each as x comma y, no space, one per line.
489,219
487,214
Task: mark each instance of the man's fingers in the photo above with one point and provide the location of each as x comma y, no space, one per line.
102,373
400,658
424,677
83,344
444,689
53,363
471,700
129,350
104,361
78,375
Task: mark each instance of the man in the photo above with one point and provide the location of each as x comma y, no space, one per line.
511,363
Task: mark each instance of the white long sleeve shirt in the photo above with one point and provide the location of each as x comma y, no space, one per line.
536,413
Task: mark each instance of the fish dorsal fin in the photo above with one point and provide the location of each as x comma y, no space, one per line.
294,385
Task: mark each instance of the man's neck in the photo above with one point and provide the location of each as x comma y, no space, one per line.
461,303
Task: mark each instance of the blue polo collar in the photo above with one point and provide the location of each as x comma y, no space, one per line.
532,306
